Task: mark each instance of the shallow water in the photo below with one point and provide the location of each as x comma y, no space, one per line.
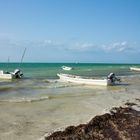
38,104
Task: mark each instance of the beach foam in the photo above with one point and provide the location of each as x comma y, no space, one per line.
25,100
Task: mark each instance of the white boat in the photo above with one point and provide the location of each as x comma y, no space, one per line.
66,68
88,81
134,69
17,74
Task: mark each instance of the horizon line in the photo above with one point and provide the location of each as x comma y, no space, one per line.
75,63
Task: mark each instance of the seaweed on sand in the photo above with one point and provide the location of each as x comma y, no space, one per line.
120,124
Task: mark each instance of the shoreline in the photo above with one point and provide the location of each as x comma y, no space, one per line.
119,123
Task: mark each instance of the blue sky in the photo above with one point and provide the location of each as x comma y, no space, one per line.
95,31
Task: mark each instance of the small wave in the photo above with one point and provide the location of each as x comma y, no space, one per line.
124,67
51,132
60,84
89,69
63,86
28,100
5,88
130,76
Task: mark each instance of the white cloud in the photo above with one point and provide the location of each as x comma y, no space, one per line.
124,43
12,43
117,47
123,46
43,49
48,41
82,47
87,46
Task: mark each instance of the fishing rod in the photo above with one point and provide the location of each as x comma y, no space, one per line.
22,57
8,61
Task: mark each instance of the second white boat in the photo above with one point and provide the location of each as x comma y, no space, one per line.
66,68
134,69
80,80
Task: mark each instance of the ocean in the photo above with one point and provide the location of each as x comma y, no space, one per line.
39,103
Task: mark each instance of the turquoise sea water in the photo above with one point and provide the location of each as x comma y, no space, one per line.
41,82
49,70
40,103
40,78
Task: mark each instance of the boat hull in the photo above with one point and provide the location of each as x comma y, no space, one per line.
134,69
66,68
79,80
6,76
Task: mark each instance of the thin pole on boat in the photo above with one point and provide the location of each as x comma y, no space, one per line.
22,56
8,61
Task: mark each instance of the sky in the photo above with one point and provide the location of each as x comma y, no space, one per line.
84,31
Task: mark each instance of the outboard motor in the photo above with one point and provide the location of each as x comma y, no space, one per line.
113,78
18,74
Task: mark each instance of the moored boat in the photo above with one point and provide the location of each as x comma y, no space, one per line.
66,68
134,68
110,80
17,74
